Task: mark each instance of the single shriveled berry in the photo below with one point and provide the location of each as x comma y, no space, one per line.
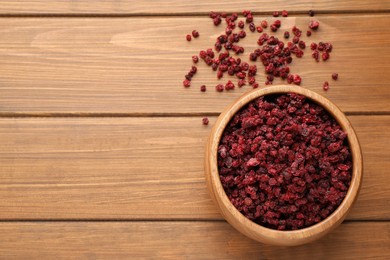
259,29
308,33
313,46
242,34
241,83
273,27
188,37
186,83
255,85
302,44
195,33
284,13
219,87
311,13
335,76
325,86
314,25
193,70
203,88
217,21
325,56
297,79
277,23
205,121
229,85
316,55
264,24
275,14
241,24
295,39
195,59
286,35
228,31
249,18
252,27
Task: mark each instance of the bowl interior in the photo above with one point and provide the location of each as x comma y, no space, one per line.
254,230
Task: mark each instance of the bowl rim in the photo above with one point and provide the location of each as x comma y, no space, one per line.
252,229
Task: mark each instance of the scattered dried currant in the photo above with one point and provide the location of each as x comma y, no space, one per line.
325,56
205,121
195,59
335,76
311,13
284,13
308,33
275,14
203,88
186,83
286,35
188,37
264,24
195,33
325,86
314,25
219,87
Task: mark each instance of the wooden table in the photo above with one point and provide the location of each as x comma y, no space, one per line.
101,152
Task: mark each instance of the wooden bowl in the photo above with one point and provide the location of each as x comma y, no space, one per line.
250,228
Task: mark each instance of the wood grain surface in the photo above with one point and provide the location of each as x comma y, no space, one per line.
139,168
134,66
101,148
198,240
183,7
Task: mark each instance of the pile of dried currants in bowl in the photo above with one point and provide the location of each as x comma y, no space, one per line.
284,162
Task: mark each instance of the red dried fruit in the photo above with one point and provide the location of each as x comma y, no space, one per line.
297,79
264,24
313,46
311,13
259,29
316,55
205,121
195,59
266,163
219,87
188,37
186,83
314,25
203,88
241,83
275,14
284,13
302,44
241,24
252,27
286,35
229,85
273,27
325,86
325,56
335,76
308,33
195,33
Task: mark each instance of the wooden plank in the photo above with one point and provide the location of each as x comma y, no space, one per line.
179,240
139,168
185,7
136,65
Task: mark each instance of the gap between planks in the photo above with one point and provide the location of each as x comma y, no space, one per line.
192,14
162,220
132,115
